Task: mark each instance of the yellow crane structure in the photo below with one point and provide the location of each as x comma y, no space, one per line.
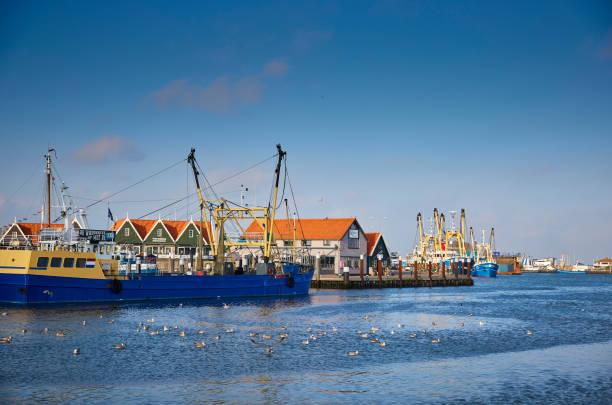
218,212
424,240
458,235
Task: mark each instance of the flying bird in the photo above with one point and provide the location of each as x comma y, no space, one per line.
268,349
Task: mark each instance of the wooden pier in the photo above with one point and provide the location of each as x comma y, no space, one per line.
425,275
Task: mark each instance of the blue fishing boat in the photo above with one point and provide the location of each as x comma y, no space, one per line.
570,271
483,265
485,270
58,265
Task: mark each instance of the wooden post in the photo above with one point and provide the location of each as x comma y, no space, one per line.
416,271
400,271
318,270
429,271
456,270
361,268
469,270
379,268
347,276
444,272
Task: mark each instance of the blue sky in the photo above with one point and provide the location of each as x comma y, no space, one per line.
386,109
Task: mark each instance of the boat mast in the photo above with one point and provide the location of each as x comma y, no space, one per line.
48,171
270,230
191,160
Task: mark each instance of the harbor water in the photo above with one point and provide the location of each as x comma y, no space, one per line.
534,338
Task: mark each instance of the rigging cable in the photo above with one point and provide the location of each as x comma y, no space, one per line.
135,184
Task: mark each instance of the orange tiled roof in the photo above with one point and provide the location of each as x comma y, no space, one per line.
33,229
604,260
310,229
372,239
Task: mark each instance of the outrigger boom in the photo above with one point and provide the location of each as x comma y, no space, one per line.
217,211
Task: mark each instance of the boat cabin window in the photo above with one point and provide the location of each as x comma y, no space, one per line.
80,263
42,262
69,262
56,262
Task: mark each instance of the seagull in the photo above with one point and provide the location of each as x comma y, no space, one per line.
313,337
359,331
140,324
229,330
365,335
322,333
454,313
24,330
121,346
266,336
284,328
309,330
181,305
84,323
382,344
284,335
582,310
462,324
200,332
392,332
253,334
225,306
529,332
305,342
372,330
182,333
4,313
151,320
435,341
424,331
413,335
482,323
111,321
200,344
166,328
334,329
146,327
434,323
365,318
76,351
375,340
268,349
355,353
6,339
399,325
60,334
217,337
138,330
469,314
154,333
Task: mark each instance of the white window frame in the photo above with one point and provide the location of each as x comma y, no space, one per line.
126,232
191,233
159,233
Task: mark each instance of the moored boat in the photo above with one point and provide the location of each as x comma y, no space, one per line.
60,265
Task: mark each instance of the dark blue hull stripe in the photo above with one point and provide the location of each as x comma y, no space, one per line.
27,288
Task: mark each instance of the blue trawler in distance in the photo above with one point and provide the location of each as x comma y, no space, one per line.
483,265
60,265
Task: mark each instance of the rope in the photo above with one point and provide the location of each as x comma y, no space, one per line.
135,184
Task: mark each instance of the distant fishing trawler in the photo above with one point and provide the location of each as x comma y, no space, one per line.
61,264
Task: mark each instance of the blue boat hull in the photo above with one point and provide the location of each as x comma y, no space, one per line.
485,270
570,271
25,289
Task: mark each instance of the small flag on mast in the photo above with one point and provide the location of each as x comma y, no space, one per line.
110,215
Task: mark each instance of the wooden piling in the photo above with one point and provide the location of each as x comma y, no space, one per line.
469,272
361,268
379,269
416,270
444,272
400,272
456,270
429,271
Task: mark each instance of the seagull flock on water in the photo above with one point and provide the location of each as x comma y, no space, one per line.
373,334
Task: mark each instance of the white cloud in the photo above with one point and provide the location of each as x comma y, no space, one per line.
221,94
105,148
